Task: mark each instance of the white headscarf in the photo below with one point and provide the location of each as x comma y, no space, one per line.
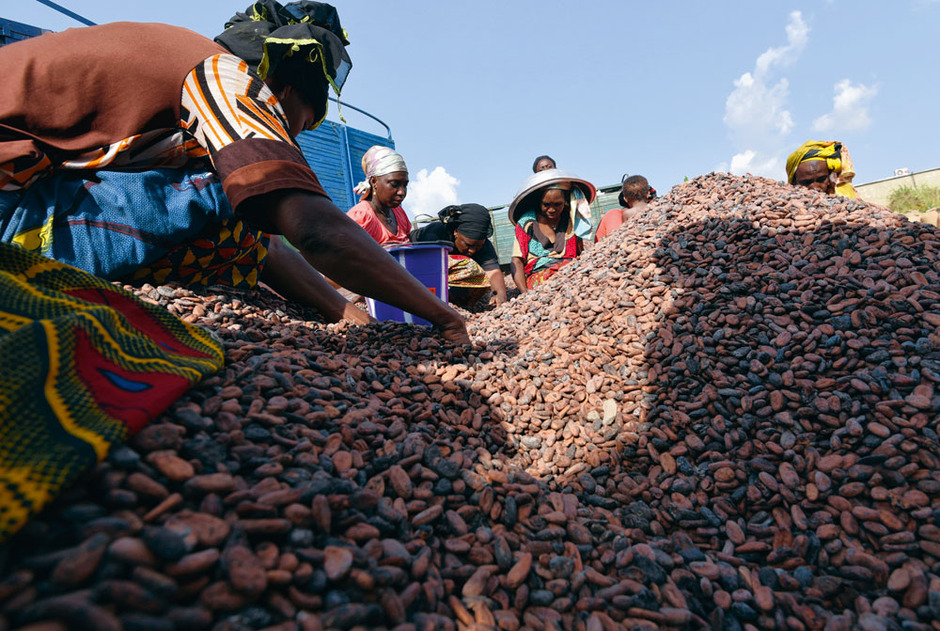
379,160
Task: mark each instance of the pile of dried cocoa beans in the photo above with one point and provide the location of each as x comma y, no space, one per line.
723,416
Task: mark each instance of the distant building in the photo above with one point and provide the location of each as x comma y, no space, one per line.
879,191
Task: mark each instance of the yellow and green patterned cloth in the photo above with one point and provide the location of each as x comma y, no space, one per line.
85,365
466,280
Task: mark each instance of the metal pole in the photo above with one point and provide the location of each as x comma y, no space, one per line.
65,11
378,120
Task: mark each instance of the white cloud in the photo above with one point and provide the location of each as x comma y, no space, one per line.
429,192
750,162
797,37
756,110
849,109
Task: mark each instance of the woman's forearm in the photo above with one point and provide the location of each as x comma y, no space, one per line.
289,274
341,250
498,284
518,274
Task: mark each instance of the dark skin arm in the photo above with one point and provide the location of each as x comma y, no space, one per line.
289,274
497,284
518,274
342,251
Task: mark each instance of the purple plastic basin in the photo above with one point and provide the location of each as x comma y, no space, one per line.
427,263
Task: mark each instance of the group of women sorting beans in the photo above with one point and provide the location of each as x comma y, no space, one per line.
551,214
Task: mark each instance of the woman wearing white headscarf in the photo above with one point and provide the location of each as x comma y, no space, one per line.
379,210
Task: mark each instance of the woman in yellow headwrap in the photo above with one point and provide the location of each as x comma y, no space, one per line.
824,166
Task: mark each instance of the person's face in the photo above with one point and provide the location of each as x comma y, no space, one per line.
543,164
553,204
466,246
390,189
814,175
301,114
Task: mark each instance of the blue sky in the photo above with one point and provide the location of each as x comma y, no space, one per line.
473,91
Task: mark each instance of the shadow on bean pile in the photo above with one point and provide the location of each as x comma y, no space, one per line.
721,417
755,367
793,434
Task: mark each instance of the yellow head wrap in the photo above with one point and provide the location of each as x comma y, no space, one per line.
837,160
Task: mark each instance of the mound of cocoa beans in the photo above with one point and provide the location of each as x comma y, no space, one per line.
723,416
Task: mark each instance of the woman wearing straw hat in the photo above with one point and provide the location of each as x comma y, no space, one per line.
552,216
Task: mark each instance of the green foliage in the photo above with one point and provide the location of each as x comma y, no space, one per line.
909,199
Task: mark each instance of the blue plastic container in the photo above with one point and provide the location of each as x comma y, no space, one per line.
427,263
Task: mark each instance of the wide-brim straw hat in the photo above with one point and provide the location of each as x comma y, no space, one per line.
526,198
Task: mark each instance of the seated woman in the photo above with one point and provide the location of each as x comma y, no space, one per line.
379,210
552,216
473,268
823,166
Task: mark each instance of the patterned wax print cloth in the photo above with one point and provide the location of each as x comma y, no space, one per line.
86,364
466,279
541,275
158,226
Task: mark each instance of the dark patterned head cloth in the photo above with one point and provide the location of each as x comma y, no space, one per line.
304,36
472,220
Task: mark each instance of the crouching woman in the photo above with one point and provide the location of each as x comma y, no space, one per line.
473,266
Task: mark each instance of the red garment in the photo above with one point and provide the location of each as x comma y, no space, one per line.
541,275
522,241
611,220
364,214
83,97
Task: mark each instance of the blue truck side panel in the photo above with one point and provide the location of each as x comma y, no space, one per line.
11,31
334,152
359,143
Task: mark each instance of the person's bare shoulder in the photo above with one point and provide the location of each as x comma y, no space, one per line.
628,213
